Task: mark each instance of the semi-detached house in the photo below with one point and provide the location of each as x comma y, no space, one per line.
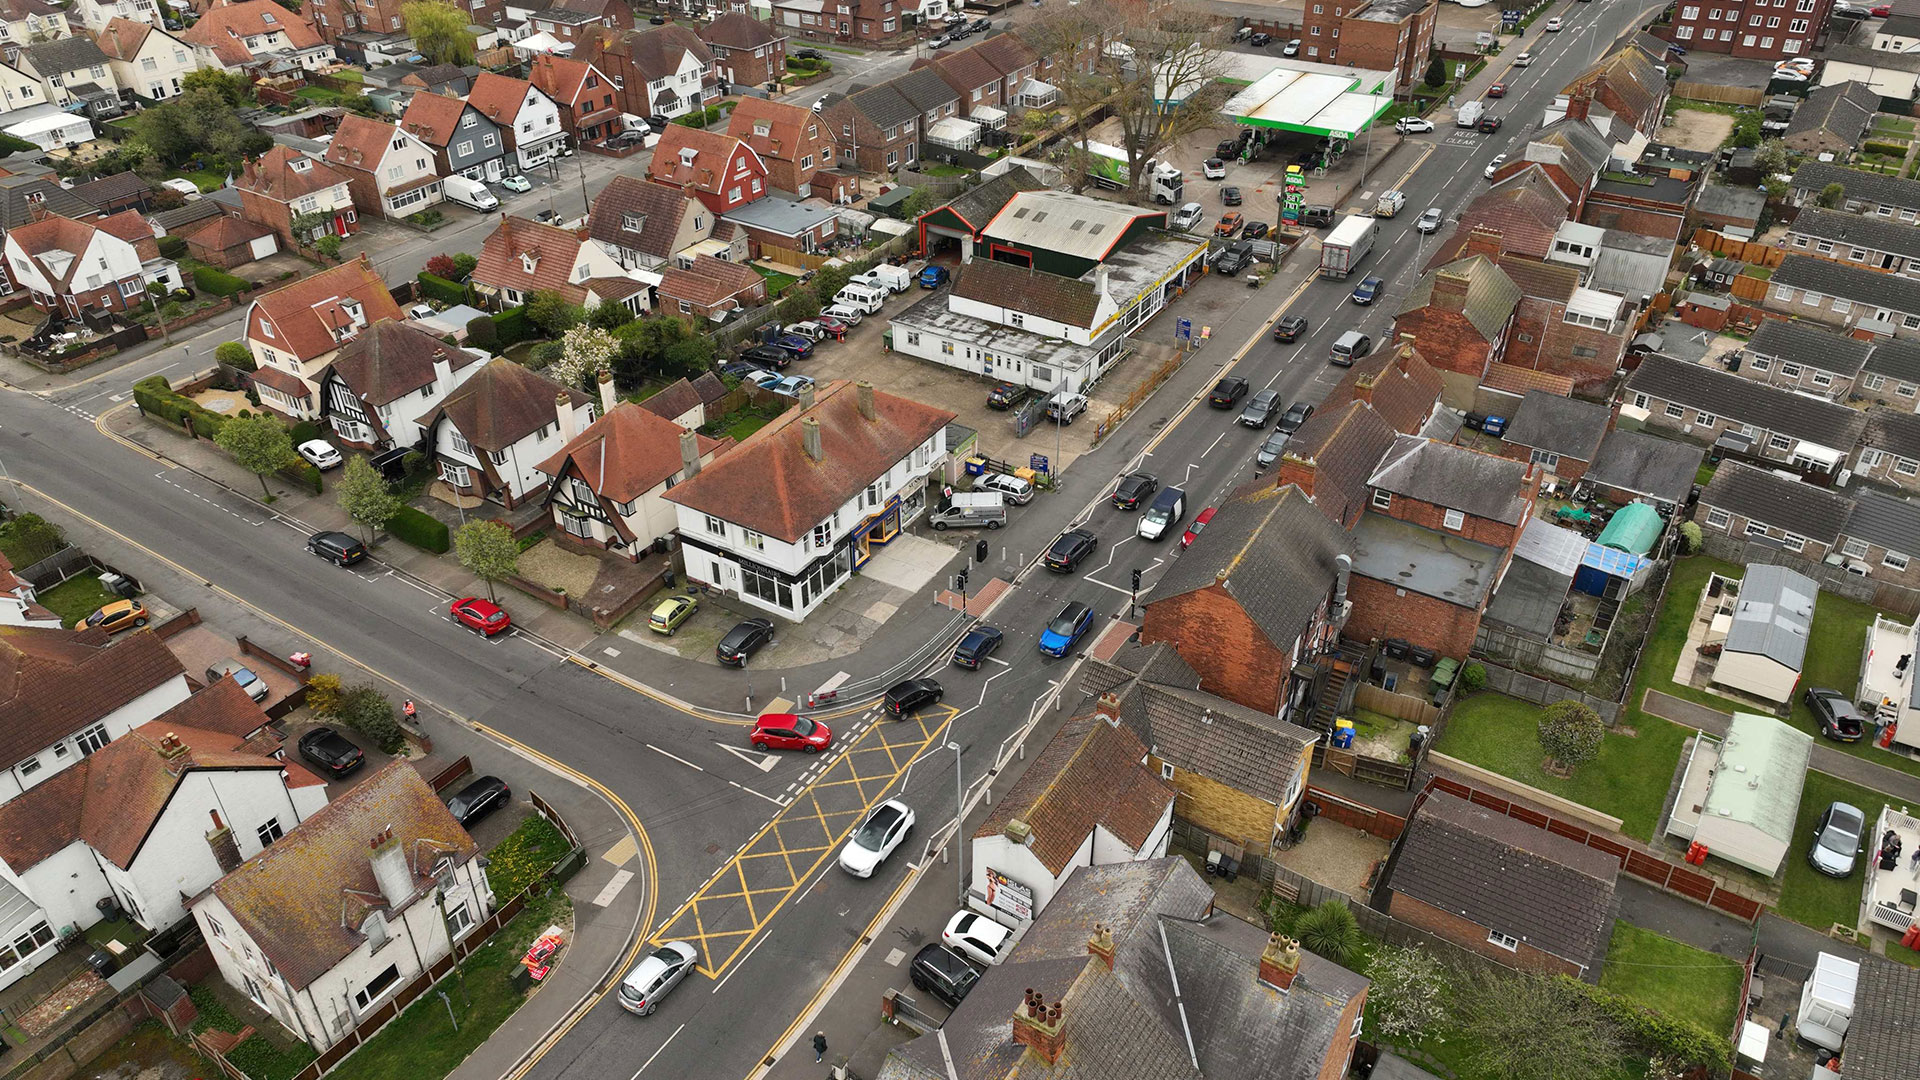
528,119
583,93
721,171
294,332
284,185
145,59
92,266
609,486
465,141
642,225
383,380
489,437
390,171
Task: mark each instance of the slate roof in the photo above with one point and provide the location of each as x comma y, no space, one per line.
625,454
501,404
1560,425
1724,200
738,30
1021,288
21,197
1841,109
1799,416
1811,274
108,190
977,206
54,682
1773,617
1896,358
1480,484
1090,775
1814,176
1798,341
1855,230
925,90
1525,209
658,50
1398,384
1892,430
1885,520
1883,1039
62,55
306,310
710,387
1644,464
661,209
1501,873
1813,512
1343,445
1491,294
886,107
302,900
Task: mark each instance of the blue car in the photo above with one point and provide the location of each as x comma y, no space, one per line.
934,276
1368,288
800,347
1060,635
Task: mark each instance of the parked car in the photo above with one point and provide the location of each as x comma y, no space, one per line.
254,685
768,356
1005,395
940,42
478,799
337,548
743,641
320,454
1368,289
1234,259
1837,839
845,314
1133,489
1066,629
1412,125
185,187
1256,230
655,977
1260,409
975,646
1229,389
1063,407
811,331
1296,415
480,616
1260,39
1229,224
1193,531
945,974
668,614
1187,217
837,327
932,276
1230,196
1015,490
789,731
1072,547
1430,219
117,616
330,750
1839,719
908,697
1289,328
977,937
876,838
1292,48
1553,25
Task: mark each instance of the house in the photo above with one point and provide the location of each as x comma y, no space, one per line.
642,225
711,288
96,14
582,93
1522,213
1759,506
1881,1041
1648,201
1560,326
74,70
527,119
721,171
19,90
303,928
1505,889
446,80
688,404
1461,318
1860,192
1741,417
1873,242
972,78
785,224
464,140
878,129
1832,120
19,606
659,70
746,51
1734,211
1397,383
1088,799
522,256
385,378
1806,357
1089,990
25,21
1880,536
1765,643
782,519
390,171
1891,376
229,241
285,185
294,332
1847,296
1633,466
794,144
234,34
1561,435
115,192
1568,152
145,59
609,485
96,266
1332,455
1627,88
1378,35
491,433
1889,449
866,23
1740,794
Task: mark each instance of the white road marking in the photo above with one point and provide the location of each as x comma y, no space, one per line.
656,1053
675,757
750,791
741,964
762,761
613,888
1002,663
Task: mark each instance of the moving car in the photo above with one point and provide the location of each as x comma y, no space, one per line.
1429,220
1271,449
480,798
1498,89
1494,165
1289,328
1060,635
1193,531
1296,414
908,697
977,937
480,616
1525,59
517,183
1489,124
1213,169
330,750
320,453
1067,552
1553,25
743,641
655,977
1369,288
668,614
789,731
1260,409
1230,196
1228,390
1228,224
876,838
117,616
1133,489
1348,347
337,548
1839,719
1837,839
975,646
1163,516
945,974
254,685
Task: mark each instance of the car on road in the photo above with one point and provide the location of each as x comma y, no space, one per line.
1229,389
975,646
320,454
1292,48
1368,289
480,616
337,548
1213,169
977,937
1289,328
1271,449
1256,230
117,616
655,977
801,347
1429,220
876,838
1066,628
330,750
1193,531
478,799
1005,395
1838,718
1494,165
1296,415
668,614
768,356
1260,409
1412,125
945,974
1015,490
517,183
1230,196
907,697
1133,489
1489,124
1498,89
1554,24
1229,224
1234,259
789,731
940,42
1837,839
1525,59
1070,550
743,641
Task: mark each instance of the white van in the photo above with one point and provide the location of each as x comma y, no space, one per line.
894,279
1164,516
863,297
470,193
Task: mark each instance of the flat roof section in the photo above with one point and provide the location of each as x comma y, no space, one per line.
1313,102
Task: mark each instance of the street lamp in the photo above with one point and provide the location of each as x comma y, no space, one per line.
959,814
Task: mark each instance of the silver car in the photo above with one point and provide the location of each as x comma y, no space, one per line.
1836,839
1430,220
654,977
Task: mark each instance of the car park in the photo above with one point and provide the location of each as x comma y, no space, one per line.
1368,290
668,614
945,974
1554,24
480,616
337,548
1296,415
1271,449
768,356
1070,549
1193,531
655,977
1060,635
1260,409
876,838
1230,196
1429,220
1289,328
1837,839
904,698
1014,489
1213,169
1489,125
743,641
1005,395
1229,389
117,616
975,646
789,731
478,799
933,275
1292,48
1163,516
1256,230
332,751
1229,224
1412,125
320,454
1133,489
1838,718
1494,165
977,937
1062,407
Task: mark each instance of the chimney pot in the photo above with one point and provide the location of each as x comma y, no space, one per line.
1280,962
1036,1026
1101,944
689,455
866,400
806,397
1220,576
810,438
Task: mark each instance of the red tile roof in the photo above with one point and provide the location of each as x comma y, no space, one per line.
553,252
306,312
122,38
710,281
50,234
1399,383
563,79
498,97
433,117
55,682
710,169
225,27
360,142
128,225
280,175
227,231
1089,776
786,137
1519,380
625,454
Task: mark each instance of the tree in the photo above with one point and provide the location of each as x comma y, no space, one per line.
1833,195
1329,930
552,313
584,350
1436,73
1776,187
1771,157
439,31
364,495
234,355
33,538
1570,733
483,333
1690,537
488,551
441,266
922,200
368,711
259,444
328,246
610,316
643,348
1746,131
1409,996
236,89
801,303
689,356
464,264
1524,1026
324,693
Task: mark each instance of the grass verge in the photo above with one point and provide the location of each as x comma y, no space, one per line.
1806,895
1670,977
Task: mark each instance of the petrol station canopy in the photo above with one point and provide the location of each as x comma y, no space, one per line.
1313,102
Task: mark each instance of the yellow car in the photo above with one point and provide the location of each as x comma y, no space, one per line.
670,613
117,616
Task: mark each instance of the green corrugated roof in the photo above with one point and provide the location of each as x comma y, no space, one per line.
1763,763
1633,529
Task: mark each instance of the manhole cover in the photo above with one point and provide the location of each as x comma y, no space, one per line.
712,848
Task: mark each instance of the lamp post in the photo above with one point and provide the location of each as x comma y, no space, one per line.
959,813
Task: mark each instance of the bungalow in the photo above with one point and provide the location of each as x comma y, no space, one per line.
390,171
1759,506
1865,193
785,224
1832,120
1846,296
1807,357
690,404
464,140
609,486
711,288
228,242
295,332
384,379
1633,466
1889,449
115,192
1881,538
521,257
1891,375
491,434
720,170
1763,649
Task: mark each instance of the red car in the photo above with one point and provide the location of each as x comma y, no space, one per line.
1199,522
480,616
788,731
1880,11
1498,89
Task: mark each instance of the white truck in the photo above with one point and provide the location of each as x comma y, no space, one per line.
1347,244
1107,166
1826,1001
1469,114
470,193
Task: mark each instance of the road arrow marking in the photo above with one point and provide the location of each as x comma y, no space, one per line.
763,762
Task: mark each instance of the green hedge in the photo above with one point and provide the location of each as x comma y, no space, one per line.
217,282
1875,146
156,398
1662,1034
514,326
420,529
172,247
300,471
12,145
439,288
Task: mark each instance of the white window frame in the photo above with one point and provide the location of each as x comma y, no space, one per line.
1503,941
1718,518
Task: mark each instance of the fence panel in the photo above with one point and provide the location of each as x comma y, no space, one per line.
1357,815
1888,597
1544,692
791,257
1399,706
1723,95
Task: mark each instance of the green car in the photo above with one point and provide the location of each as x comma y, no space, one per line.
670,613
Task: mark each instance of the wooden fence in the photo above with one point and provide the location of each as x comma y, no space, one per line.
1399,706
1888,597
1748,287
1747,251
1719,95
790,257
1354,815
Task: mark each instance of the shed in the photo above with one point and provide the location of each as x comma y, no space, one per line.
891,201
1740,797
1766,633
1634,529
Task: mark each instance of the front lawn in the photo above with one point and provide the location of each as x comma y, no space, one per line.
1806,895
76,598
1672,978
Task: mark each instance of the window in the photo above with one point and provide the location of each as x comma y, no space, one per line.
1717,518
1641,401
716,526
1761,363
1855,548
1504,941
457,475
30,766
1785,294
751,539
1382,500
1793,542
92,739
1779,442
823,534
219,931
1454,520
1677,412
459,920
270,832
1754,528
1821,378
1166,771
1705,418
1791,371
367,994
1546,458
1894,561
1906,466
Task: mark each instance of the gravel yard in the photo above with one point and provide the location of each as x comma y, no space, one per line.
1693,129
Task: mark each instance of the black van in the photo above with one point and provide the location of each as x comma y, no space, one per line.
943,973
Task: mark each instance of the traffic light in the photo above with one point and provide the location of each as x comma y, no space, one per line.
1136,579
960,581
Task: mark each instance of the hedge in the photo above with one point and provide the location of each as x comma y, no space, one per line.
1874,146
422,530
1662,1034
155,397
439,288
514,326
172,247
302,472
217,282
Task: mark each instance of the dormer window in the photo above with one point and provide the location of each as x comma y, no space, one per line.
762,128
528,262
686,156
633,223
469,120
300,165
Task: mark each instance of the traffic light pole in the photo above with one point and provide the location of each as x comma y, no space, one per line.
1133,598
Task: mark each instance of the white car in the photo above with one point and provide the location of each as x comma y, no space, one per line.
1494,165
1553,25
319,453
651,979
1213,169
977,938
1525,59
845,313
419,311
876,838
812,331
1412,125
517,183
185,187
1292,48
1017,491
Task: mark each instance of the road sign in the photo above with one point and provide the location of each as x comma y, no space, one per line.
1459,72
1183,329
1037,462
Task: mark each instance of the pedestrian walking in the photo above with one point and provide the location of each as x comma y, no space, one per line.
819,1045
409,709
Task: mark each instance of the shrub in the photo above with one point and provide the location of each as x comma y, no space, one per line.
483,333
324,693
1329,930
155,397
172,247
1662,1034
463,265
1570,733
1473,677
368,711
32,538
11,145
439,288
420,529
513,326
233,354
1691,537
544,354
298,471
303,431
1875,146
217,282
441,265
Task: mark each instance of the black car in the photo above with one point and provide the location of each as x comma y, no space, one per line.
1005,396
1260,409
742,641
1067,552
1489,124
1230,196
739,370
480,798
907,697
1289,328
1368,289
974,648
1227,148
331,751
1295,415
1260,40
1234,259
1271,450
658,123
1256,230
1839,719
945,974
768,356
337,547
1227,391
1133,489
808,54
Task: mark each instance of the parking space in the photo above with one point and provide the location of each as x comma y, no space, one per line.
200,648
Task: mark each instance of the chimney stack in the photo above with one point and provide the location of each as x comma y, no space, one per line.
1577,103
1450,290
1101,944
1109,708
1036,1026
810,438
1280,962
563,412
1482,240
689,455
175,753
806,397
225,851
390,868
866,400
608,399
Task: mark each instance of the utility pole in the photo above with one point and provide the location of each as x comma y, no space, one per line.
959,814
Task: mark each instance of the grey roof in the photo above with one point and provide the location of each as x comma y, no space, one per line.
1277,550
1893,430
924,89
1896,358
1669,190
1773,614
1644,464
1798,341
1842,109
65,54
1810,274
1631,266
1799,416
1814,176
1529,598
883,106
1560,425
783,216
17,209
977,206
1883,1039
1727,201
1453,476
1491,294
1445,566
1499,872
1886,521
1813,512
186,214
1859,230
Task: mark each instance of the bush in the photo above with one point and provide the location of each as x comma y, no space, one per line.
368,711
299,471
303,431
234,355
439,288
1329,930
513,326
156,398
1473,677
324,694
217,282
1661,1034
11,145
463,265
1893,150
1571,733
420,529
544,354
1691,538
172,247
483,333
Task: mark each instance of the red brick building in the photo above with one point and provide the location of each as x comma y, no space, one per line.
721,171
1333,454
584,93
746,50
710,288
1381,35
1559,434
794,145
1761,29
1461,318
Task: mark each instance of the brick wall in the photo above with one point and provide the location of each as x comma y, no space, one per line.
1478,529
1569,469
1226,812
1736,527
1472,936
1216,637
1340,1052
1381,611
1447,340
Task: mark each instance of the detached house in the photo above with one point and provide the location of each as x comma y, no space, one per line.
74,70
795,146
490,436
659,71
145,59
521,257
284,185
746,51
295,332
95,266
711,288
721,171
384,379
642,225
1833,119
390,171
608,486
527,119
583,94
231,35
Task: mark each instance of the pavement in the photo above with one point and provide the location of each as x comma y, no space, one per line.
1863,771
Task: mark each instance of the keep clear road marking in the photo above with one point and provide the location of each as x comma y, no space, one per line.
763,762
613,888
